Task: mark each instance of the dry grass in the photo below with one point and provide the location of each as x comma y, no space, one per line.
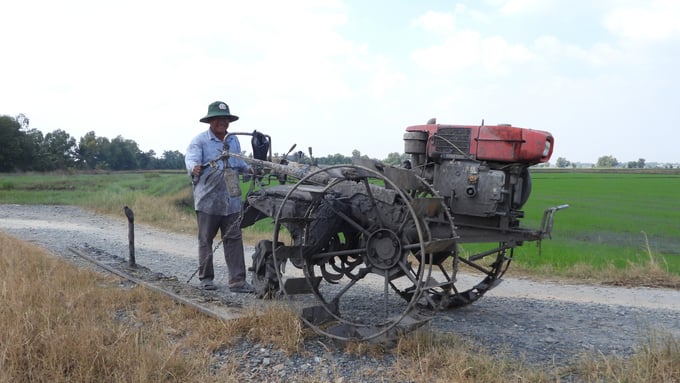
59,323
278,325
650,272
658,360
429,357
162,212
167,212
634,275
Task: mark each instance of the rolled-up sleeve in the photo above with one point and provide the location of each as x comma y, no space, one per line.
194,154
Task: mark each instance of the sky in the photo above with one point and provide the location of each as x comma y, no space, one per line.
342,75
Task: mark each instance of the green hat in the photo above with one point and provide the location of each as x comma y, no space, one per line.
218,109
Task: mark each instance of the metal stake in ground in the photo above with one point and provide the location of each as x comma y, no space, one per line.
131,234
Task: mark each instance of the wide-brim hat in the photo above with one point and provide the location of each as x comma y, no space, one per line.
218,109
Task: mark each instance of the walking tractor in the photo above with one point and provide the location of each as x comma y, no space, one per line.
367,249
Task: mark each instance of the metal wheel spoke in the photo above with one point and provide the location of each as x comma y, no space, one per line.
408,271
476,266
372,249
372,199
352,282
355,225
386,289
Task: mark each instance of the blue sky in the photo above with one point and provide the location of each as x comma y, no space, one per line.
335,75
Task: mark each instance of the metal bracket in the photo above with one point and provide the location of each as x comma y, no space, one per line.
547,222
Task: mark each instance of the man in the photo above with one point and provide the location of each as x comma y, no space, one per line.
217,198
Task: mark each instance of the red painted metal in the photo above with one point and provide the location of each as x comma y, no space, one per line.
503,143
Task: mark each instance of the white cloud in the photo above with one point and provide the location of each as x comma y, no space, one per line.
551,52
385,79
516,7
654,20
466,49
436,22
498,55
458,52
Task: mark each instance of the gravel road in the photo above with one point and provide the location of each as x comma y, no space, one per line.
545,322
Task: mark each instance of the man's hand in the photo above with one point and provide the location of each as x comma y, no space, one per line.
196,171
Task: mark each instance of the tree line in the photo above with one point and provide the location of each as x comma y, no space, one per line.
27,149
338,159
604,162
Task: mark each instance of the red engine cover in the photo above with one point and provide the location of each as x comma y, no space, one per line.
501,143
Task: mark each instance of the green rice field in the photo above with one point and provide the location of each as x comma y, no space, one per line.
614,218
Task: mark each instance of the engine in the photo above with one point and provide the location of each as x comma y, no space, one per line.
482,172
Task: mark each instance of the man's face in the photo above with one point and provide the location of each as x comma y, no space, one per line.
219,125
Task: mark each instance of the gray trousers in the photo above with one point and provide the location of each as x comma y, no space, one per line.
232,242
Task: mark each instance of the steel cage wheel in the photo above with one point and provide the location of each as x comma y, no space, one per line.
383,250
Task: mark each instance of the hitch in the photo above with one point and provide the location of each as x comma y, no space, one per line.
547,222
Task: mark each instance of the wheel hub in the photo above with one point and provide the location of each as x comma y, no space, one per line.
383,249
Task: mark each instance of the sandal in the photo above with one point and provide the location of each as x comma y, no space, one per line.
208,284
244,287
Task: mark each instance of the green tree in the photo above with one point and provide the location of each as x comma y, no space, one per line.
17,148
148,160
639,164
357,155
123,154
607,162
58,150
11,137
334,159
562,162
395,158
92,151
34,158
171,160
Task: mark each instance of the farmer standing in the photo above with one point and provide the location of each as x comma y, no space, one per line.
217,198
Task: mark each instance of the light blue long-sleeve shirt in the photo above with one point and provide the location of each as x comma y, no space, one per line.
210,193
